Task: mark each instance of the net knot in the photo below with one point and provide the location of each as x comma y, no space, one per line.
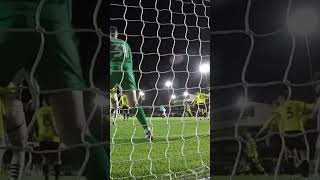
40,29
249,32
245,84
287,82
99,32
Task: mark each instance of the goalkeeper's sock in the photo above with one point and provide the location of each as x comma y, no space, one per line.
141,116
97,167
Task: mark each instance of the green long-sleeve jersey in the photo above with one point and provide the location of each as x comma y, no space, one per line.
120,55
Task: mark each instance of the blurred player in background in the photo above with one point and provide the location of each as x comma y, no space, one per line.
252,156
114,104
163,111
59,57
48,139
124,104
200,100
189,110
121,75
14,123
289,118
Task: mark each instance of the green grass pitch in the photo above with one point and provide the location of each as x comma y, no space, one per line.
181,148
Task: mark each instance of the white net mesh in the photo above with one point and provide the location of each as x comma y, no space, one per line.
169,40
36,90
293,76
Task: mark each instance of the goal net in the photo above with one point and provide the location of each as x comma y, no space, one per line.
169,41
31,43
259,57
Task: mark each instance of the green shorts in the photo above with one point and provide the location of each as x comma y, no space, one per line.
124,79
59,66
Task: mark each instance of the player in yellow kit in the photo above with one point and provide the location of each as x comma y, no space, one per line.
48,139
188,109
124,104
114,104
252,156
289,118
14,124
200,100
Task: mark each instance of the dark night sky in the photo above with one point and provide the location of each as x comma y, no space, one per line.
159,48
270,54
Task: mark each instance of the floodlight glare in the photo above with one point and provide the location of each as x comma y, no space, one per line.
173,96
186,93
204,68
141,93
302,22
168,84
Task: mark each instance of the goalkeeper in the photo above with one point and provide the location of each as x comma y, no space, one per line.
58,67
289,118
121,75
48,139
124,107
200,100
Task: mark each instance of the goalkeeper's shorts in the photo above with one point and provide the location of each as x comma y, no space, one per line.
59,65
124,79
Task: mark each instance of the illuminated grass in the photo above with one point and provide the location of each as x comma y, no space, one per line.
180,147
